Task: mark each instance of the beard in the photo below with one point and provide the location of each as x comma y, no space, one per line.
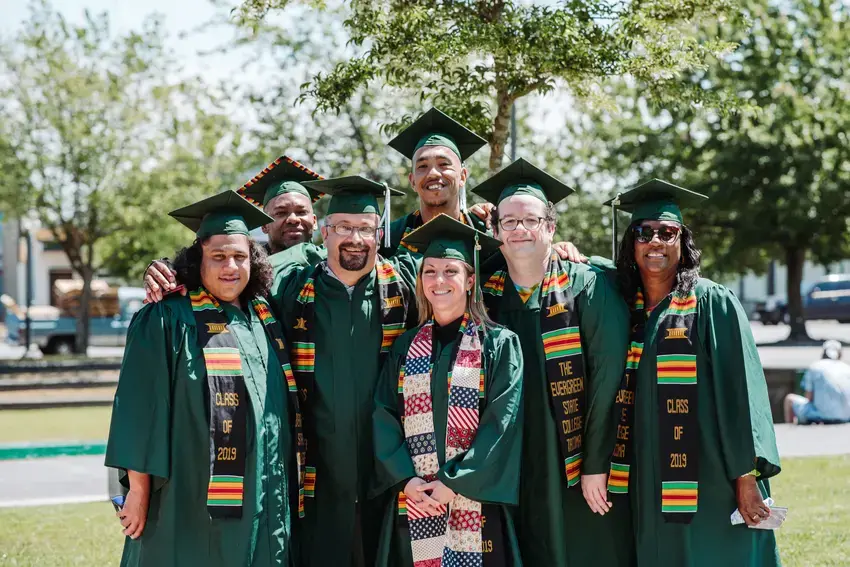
350,262
449,194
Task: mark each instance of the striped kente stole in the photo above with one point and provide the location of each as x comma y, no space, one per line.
394,299
452,537
678,426
275,333
564,361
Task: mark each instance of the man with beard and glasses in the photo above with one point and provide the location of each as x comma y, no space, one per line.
341,318
438,146
206,421
695,437
278,190
572,326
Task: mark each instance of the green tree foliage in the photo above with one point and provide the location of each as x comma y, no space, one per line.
779,177
475,58
99,137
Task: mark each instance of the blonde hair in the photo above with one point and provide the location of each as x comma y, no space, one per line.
476,309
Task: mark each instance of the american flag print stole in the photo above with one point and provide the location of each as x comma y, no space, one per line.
452,537
394,297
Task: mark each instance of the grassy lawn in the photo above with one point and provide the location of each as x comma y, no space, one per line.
61,424
816,534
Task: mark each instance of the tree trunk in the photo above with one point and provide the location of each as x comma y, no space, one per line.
501,129
794,260
81,344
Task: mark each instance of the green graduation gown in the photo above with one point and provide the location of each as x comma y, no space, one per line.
414,219
348,343
303,254
555,525
160,426
488,472
735,427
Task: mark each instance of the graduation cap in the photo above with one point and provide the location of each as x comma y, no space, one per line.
522,178
447,238
437,129
656,200
283,175
356,194
225,213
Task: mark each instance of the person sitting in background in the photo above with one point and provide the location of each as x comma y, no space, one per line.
827,390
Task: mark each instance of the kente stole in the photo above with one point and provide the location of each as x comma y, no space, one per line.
394,298
452,537
678,424
228,401
559,325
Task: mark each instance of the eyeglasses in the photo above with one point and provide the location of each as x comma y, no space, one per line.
667,234
345,230
529,223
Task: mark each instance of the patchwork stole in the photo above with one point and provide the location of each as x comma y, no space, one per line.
394,298
678,424
565,372
452,537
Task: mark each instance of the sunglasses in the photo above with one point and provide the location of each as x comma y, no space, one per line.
666,234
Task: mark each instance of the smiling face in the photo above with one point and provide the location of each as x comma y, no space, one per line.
352,253
658,258
438,176
445,284
522,242
226,266
294,220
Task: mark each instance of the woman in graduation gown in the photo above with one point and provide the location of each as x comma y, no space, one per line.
695,439
447,423
203,422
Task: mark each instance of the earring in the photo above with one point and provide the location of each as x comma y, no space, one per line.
469,292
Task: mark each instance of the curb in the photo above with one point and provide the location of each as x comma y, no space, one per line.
12,451
36,404
18,384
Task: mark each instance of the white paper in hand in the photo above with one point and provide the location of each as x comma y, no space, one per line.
776,518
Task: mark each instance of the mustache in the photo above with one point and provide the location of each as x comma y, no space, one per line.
361,248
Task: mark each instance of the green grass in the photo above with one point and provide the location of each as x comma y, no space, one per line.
61,424
816,533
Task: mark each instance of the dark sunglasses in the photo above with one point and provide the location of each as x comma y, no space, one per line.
667,234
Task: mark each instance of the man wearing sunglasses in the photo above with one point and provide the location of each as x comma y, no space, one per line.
572,327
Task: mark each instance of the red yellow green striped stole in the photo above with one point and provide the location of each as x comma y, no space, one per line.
228,406
394,299
563,357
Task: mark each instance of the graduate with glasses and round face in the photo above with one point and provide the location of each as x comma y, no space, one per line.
572,326
695,437
447,420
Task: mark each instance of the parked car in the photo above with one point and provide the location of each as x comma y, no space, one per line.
54,330
772,311
829,298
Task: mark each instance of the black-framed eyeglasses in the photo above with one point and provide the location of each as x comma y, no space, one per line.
346,230
529,223
666,234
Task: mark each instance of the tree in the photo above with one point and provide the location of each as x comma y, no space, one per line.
778,178
99,131
475,58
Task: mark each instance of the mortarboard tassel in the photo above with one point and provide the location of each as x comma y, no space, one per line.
386,218
476,248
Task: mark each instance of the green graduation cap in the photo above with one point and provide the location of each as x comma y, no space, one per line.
437,129
225,213
283,175
522,178
445,237
656,200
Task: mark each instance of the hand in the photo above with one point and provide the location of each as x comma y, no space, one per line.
568,251
415,492
134,514
439,492
750,501
595,490
482,211
159,278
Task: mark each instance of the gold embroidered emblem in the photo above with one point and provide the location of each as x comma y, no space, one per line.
557,309
300,324
217,328
391,302
279,343
677,333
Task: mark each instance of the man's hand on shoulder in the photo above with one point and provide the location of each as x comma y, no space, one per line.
160,279
568,251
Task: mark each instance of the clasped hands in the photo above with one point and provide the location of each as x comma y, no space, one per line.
431,497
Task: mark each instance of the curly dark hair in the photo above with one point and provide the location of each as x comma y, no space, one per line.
187,264
551,217
629,275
